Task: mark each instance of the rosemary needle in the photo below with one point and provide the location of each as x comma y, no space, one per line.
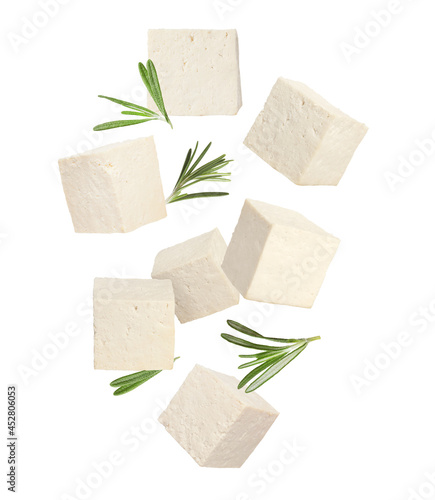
130,382
270,360
151,81
192,173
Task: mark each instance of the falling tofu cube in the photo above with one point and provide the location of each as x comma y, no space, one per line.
278,256
133,324
216,423
304,137
195,268
115,188
198,71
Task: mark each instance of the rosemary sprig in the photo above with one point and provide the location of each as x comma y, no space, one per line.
270,360
192,173
134,380
151,81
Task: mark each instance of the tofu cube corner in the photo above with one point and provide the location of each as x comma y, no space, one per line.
216,423
114,188
304,137
133,324
194,267
278,256
198,71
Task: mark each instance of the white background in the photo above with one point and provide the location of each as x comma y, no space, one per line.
376,441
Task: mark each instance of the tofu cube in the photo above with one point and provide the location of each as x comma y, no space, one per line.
195,268
198,71
278,256
115,188
301,135
216,423
133,324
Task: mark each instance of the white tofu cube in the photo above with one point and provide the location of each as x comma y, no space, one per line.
115,188
301,135
195,268
278,256
216,423
198,71
133,324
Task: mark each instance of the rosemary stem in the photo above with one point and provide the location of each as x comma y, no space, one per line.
311,339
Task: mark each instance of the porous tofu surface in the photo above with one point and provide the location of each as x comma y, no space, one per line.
304,137
277,255
195,268
198,71
114,188
133,324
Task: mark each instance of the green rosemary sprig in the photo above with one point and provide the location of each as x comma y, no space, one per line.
270,360
192,173
131,382
151,81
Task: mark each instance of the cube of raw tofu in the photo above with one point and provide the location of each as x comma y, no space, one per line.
198,71
278,256
115,188
133,324
201,287
301,135
216,423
